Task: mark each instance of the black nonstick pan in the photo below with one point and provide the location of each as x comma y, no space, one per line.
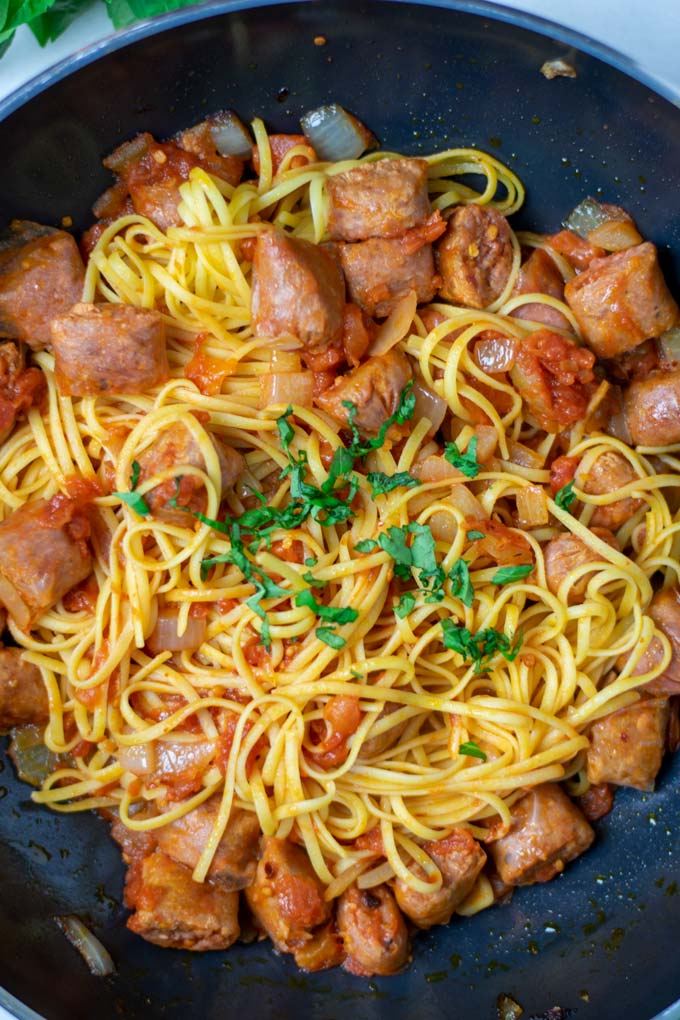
598,943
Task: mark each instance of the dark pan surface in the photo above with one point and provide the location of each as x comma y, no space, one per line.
599,941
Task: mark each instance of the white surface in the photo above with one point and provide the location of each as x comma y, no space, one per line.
647,30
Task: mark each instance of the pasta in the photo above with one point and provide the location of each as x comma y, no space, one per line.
367,660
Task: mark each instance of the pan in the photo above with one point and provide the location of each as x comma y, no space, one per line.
599,942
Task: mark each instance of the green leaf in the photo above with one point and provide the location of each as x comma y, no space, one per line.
330,638
481,647
403,413
172,502
134,501
356,674
406,605
467,462
149,8
506,575
382,483
52,23
474,536
334,614
565,496
5,41
285,429
366,545
15,13
471,750
134,475
461,585
120,13
314,582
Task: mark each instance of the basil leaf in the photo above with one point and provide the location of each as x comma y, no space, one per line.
172,502
330,638
481,647
461,585
505,575
382,483
467,462
134,475
134,501
474,536
366,545
471,750
406,605
565,496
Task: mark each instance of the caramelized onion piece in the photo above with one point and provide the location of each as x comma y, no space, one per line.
165,638
428,405
335,134
287,388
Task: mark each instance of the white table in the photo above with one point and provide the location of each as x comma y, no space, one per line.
646,30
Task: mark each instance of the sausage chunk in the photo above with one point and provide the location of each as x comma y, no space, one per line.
170,909
108,349
381,199
298,289
664,609
621,300
41,276
460,859
373,931
566,553
597,801
42,556
153,172
651,408
474,256
379,273
540,275
20,387
23,698
608,473
134,845
553,376
235,860
374,388
176,449
626,747
547,831
286,897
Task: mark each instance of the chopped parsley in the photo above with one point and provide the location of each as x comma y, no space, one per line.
135,502
382,483
461,585
565,496
330,638
505,575
333,614
134,475
467,462
472,750
481,647
474,536
405,605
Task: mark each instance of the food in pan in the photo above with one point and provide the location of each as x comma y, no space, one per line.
339,540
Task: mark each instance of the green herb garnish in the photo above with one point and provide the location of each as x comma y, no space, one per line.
481,647
565,496
471,750
134,475
461,585
467,462
506,575
382,483
330,638
405,605
474,536
135,502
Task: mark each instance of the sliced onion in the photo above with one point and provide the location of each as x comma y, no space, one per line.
587,215
524,456
557,68
428,405
466,502
88,945
230,135
435,468
138,758
284,361
487,441
617,426
615,235
669,343
532,506
128,155
497,354
174,756
33,761
335,134
443,526
287,388
376,876
165,637
395,327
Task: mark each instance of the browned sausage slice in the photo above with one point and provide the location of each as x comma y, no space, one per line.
107,348
474,256
621,300
41,558
565,553
626,747
460,859
373,931
552,375
41,276
23,698
380,199
608,473
235,860
20,387
379,272
547,831
170,909
176,449
374,388
540,275
651,408
298,289
286,897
